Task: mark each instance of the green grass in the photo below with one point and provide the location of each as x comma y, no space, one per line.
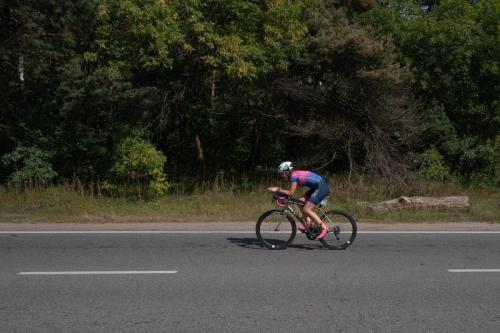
230,202
60,205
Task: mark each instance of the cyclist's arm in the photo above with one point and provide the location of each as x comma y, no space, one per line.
289,192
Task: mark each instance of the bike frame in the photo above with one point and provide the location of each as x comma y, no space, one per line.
346,225
290,202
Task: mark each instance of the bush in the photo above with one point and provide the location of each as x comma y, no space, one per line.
495,161
433,166
138,163
31,167
491,174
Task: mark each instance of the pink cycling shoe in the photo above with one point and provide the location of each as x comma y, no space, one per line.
322,233
302,229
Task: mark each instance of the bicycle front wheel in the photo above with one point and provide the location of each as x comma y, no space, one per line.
275,229
342,230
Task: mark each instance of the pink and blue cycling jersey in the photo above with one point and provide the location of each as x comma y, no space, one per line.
318,189
306,178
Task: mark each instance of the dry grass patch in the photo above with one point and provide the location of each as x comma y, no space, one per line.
228,202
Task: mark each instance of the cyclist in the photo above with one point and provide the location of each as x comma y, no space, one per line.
318,190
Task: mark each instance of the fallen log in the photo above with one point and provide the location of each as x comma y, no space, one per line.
453,202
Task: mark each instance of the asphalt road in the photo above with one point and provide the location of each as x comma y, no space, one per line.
224,282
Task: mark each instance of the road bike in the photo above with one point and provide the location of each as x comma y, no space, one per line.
276,229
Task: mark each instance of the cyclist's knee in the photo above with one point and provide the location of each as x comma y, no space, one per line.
308,210
309,206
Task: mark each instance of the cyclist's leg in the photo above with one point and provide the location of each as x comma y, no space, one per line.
305,198
314,199
308,211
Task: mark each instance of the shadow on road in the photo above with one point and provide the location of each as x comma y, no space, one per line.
254,244
249,243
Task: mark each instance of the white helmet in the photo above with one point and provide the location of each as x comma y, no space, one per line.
285,166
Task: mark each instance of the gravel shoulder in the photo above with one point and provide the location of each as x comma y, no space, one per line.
238,226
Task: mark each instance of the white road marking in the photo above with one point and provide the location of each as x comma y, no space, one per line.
230,232
127,232
97,273
428,232
474,270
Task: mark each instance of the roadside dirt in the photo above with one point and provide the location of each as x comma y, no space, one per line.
238,226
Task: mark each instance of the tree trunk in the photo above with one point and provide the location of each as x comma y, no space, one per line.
351,163
212,92
200,155
454,202
254,148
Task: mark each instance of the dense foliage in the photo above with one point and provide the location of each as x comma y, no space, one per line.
454,52
235,86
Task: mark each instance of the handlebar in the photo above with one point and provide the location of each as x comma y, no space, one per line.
284,200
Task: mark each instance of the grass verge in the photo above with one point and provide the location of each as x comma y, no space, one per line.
225,202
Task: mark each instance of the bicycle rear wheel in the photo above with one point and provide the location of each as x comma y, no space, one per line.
275,229
342,230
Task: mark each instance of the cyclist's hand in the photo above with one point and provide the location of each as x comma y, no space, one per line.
272,189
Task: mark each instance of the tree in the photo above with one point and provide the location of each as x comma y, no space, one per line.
198,56
350,97
454,53
43,41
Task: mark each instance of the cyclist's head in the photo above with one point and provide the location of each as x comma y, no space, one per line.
285,167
